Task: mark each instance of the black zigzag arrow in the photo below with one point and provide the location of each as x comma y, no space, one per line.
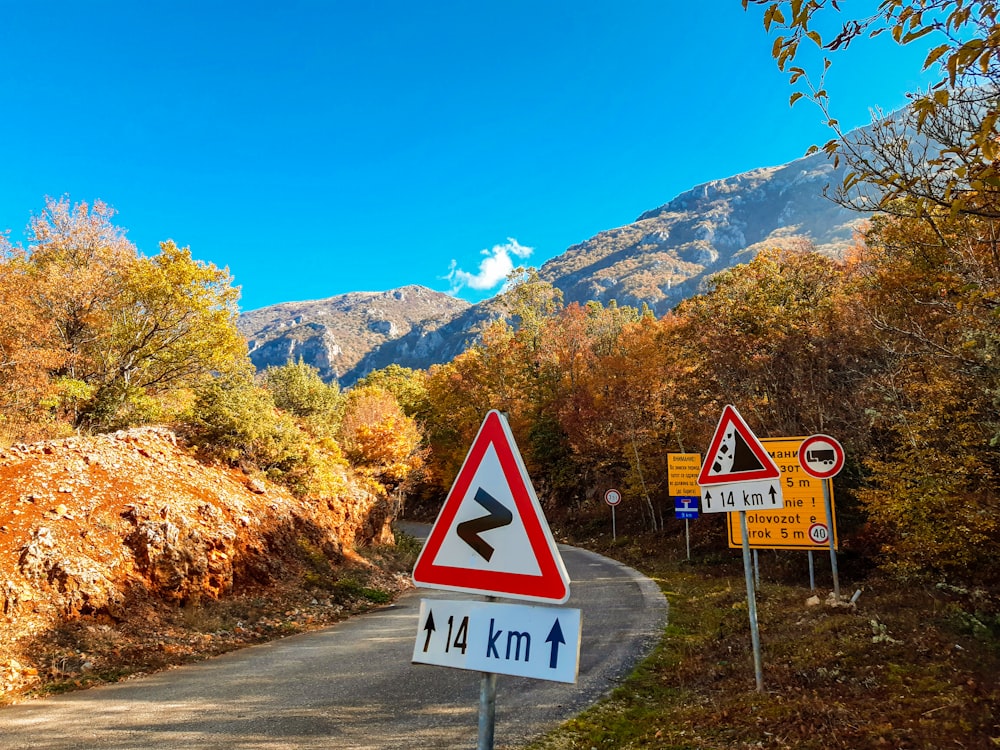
469,531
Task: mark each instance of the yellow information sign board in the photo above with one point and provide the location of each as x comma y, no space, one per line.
682,474
801,523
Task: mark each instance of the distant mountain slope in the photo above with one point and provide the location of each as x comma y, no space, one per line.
334,334
667,253
663,257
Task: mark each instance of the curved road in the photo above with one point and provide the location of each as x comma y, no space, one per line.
352,685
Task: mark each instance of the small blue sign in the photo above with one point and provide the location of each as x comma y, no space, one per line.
686,507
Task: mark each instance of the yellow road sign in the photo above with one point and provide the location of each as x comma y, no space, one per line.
801,523
682,474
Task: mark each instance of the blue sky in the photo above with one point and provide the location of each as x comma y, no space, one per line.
317,148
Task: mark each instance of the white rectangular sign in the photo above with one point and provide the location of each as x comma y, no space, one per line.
763,494
516,639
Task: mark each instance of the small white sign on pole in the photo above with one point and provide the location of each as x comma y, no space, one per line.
515,639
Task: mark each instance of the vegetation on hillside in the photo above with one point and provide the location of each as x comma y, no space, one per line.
891,351
97,337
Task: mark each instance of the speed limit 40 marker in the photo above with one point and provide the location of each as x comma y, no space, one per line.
822,457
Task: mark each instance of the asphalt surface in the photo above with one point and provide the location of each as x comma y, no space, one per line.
353,686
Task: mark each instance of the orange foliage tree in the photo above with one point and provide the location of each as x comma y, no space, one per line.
381,442
930,289
778,338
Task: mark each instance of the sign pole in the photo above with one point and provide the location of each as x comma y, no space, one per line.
687,538
487,706
833,547
822,457
612,497
812,572
751,605
487,710
739,475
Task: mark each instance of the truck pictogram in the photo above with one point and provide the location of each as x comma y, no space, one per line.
826,456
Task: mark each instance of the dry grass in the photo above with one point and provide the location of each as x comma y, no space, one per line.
905,667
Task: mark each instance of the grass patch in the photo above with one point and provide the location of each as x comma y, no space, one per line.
351,587
898,670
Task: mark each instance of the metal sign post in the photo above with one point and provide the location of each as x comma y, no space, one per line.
833,547
739,475
686,507
487,711
822,457
613,497
487,706
752,605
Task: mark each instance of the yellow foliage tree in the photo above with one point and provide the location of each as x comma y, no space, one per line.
380,441
130,330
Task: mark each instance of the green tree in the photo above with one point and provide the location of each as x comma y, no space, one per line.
298,389
408,386
234,420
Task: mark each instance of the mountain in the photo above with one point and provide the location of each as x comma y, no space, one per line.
334,334
663,257
668,253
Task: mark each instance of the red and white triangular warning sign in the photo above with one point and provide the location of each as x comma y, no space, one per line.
491,537
735,454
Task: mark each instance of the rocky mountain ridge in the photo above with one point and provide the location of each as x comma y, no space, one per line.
334,334
666,255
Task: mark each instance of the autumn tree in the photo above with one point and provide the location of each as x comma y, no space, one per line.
605,377
27,354
930,295
776,338
381,442
940,153
131,329
460,393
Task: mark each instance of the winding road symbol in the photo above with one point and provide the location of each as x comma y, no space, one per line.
518,558
469,531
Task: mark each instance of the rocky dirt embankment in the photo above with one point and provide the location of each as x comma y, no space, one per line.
120,553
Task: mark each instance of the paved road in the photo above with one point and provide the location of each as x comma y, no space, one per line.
351,686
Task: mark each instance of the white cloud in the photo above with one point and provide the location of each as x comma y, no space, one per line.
493,269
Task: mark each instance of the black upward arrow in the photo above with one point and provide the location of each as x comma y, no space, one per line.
469,531
429,627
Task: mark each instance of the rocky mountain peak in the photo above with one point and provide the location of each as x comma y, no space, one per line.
333,334
666,255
